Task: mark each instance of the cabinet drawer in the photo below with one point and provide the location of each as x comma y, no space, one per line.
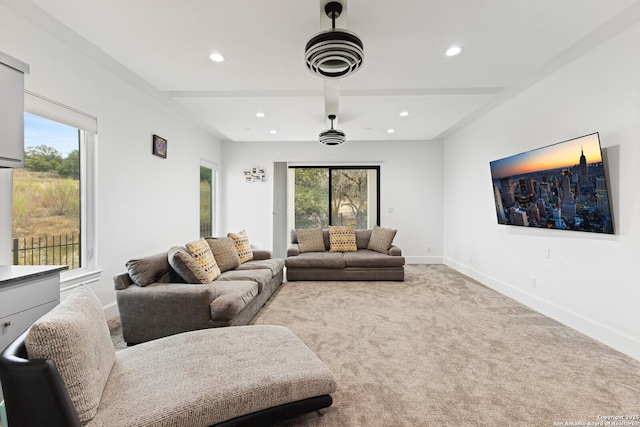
12,326
24,295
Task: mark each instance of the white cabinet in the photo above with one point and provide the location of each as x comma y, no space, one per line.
12,111
26,294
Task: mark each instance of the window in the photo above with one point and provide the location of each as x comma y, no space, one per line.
207,199
334,195
46,196
54,194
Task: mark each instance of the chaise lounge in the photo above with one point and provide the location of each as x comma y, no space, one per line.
65,372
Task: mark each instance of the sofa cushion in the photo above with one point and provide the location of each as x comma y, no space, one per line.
342,238
243,246
381,239
311,240
367,258
274,264
231,298
260,276
203,256
316,260
225,253
148,270
76,337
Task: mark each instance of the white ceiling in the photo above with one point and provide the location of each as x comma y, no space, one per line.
507,46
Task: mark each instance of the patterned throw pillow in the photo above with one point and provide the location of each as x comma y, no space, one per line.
381,239
310,240
342,238
201,252
241,240
225,253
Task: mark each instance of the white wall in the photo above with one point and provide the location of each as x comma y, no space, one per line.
411,185
590,281
145,204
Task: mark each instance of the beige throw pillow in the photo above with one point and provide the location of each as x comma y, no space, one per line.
381,239
310,240
342,238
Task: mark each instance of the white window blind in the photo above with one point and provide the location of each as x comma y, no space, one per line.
52,110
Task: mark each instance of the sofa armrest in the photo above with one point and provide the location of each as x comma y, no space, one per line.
162,309
259,254
395,251
122,281
293,250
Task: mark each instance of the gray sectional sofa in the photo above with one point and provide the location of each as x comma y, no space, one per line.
155,301
362,264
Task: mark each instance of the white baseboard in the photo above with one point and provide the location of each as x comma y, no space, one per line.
613,338
423,259
110,310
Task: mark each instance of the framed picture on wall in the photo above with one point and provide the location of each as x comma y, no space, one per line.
159,146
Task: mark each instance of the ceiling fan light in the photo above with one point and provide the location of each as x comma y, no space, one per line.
336,52
332,136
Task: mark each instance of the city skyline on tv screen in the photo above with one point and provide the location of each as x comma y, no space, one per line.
561,186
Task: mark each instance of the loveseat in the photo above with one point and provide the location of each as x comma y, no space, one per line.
64,372
176,291
343,253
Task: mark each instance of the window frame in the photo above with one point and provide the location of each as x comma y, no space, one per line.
330,168
88,154
214,195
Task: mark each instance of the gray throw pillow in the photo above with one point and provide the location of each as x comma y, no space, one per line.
148,270
225,253
187,266
310,240
381,239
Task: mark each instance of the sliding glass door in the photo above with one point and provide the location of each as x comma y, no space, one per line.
335,195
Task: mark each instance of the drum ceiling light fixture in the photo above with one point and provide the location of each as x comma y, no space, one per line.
336,52
332,136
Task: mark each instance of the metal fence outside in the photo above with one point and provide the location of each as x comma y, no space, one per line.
47,250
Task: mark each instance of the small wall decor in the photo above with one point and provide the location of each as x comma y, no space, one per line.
255,174
159,146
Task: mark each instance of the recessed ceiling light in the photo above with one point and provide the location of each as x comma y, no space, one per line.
391,130
404,113
273,131
216,57
260,114
453,51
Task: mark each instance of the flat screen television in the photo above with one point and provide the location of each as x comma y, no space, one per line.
561,186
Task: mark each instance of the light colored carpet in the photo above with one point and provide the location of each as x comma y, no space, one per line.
439,349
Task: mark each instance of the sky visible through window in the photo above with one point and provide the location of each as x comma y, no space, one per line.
41,131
